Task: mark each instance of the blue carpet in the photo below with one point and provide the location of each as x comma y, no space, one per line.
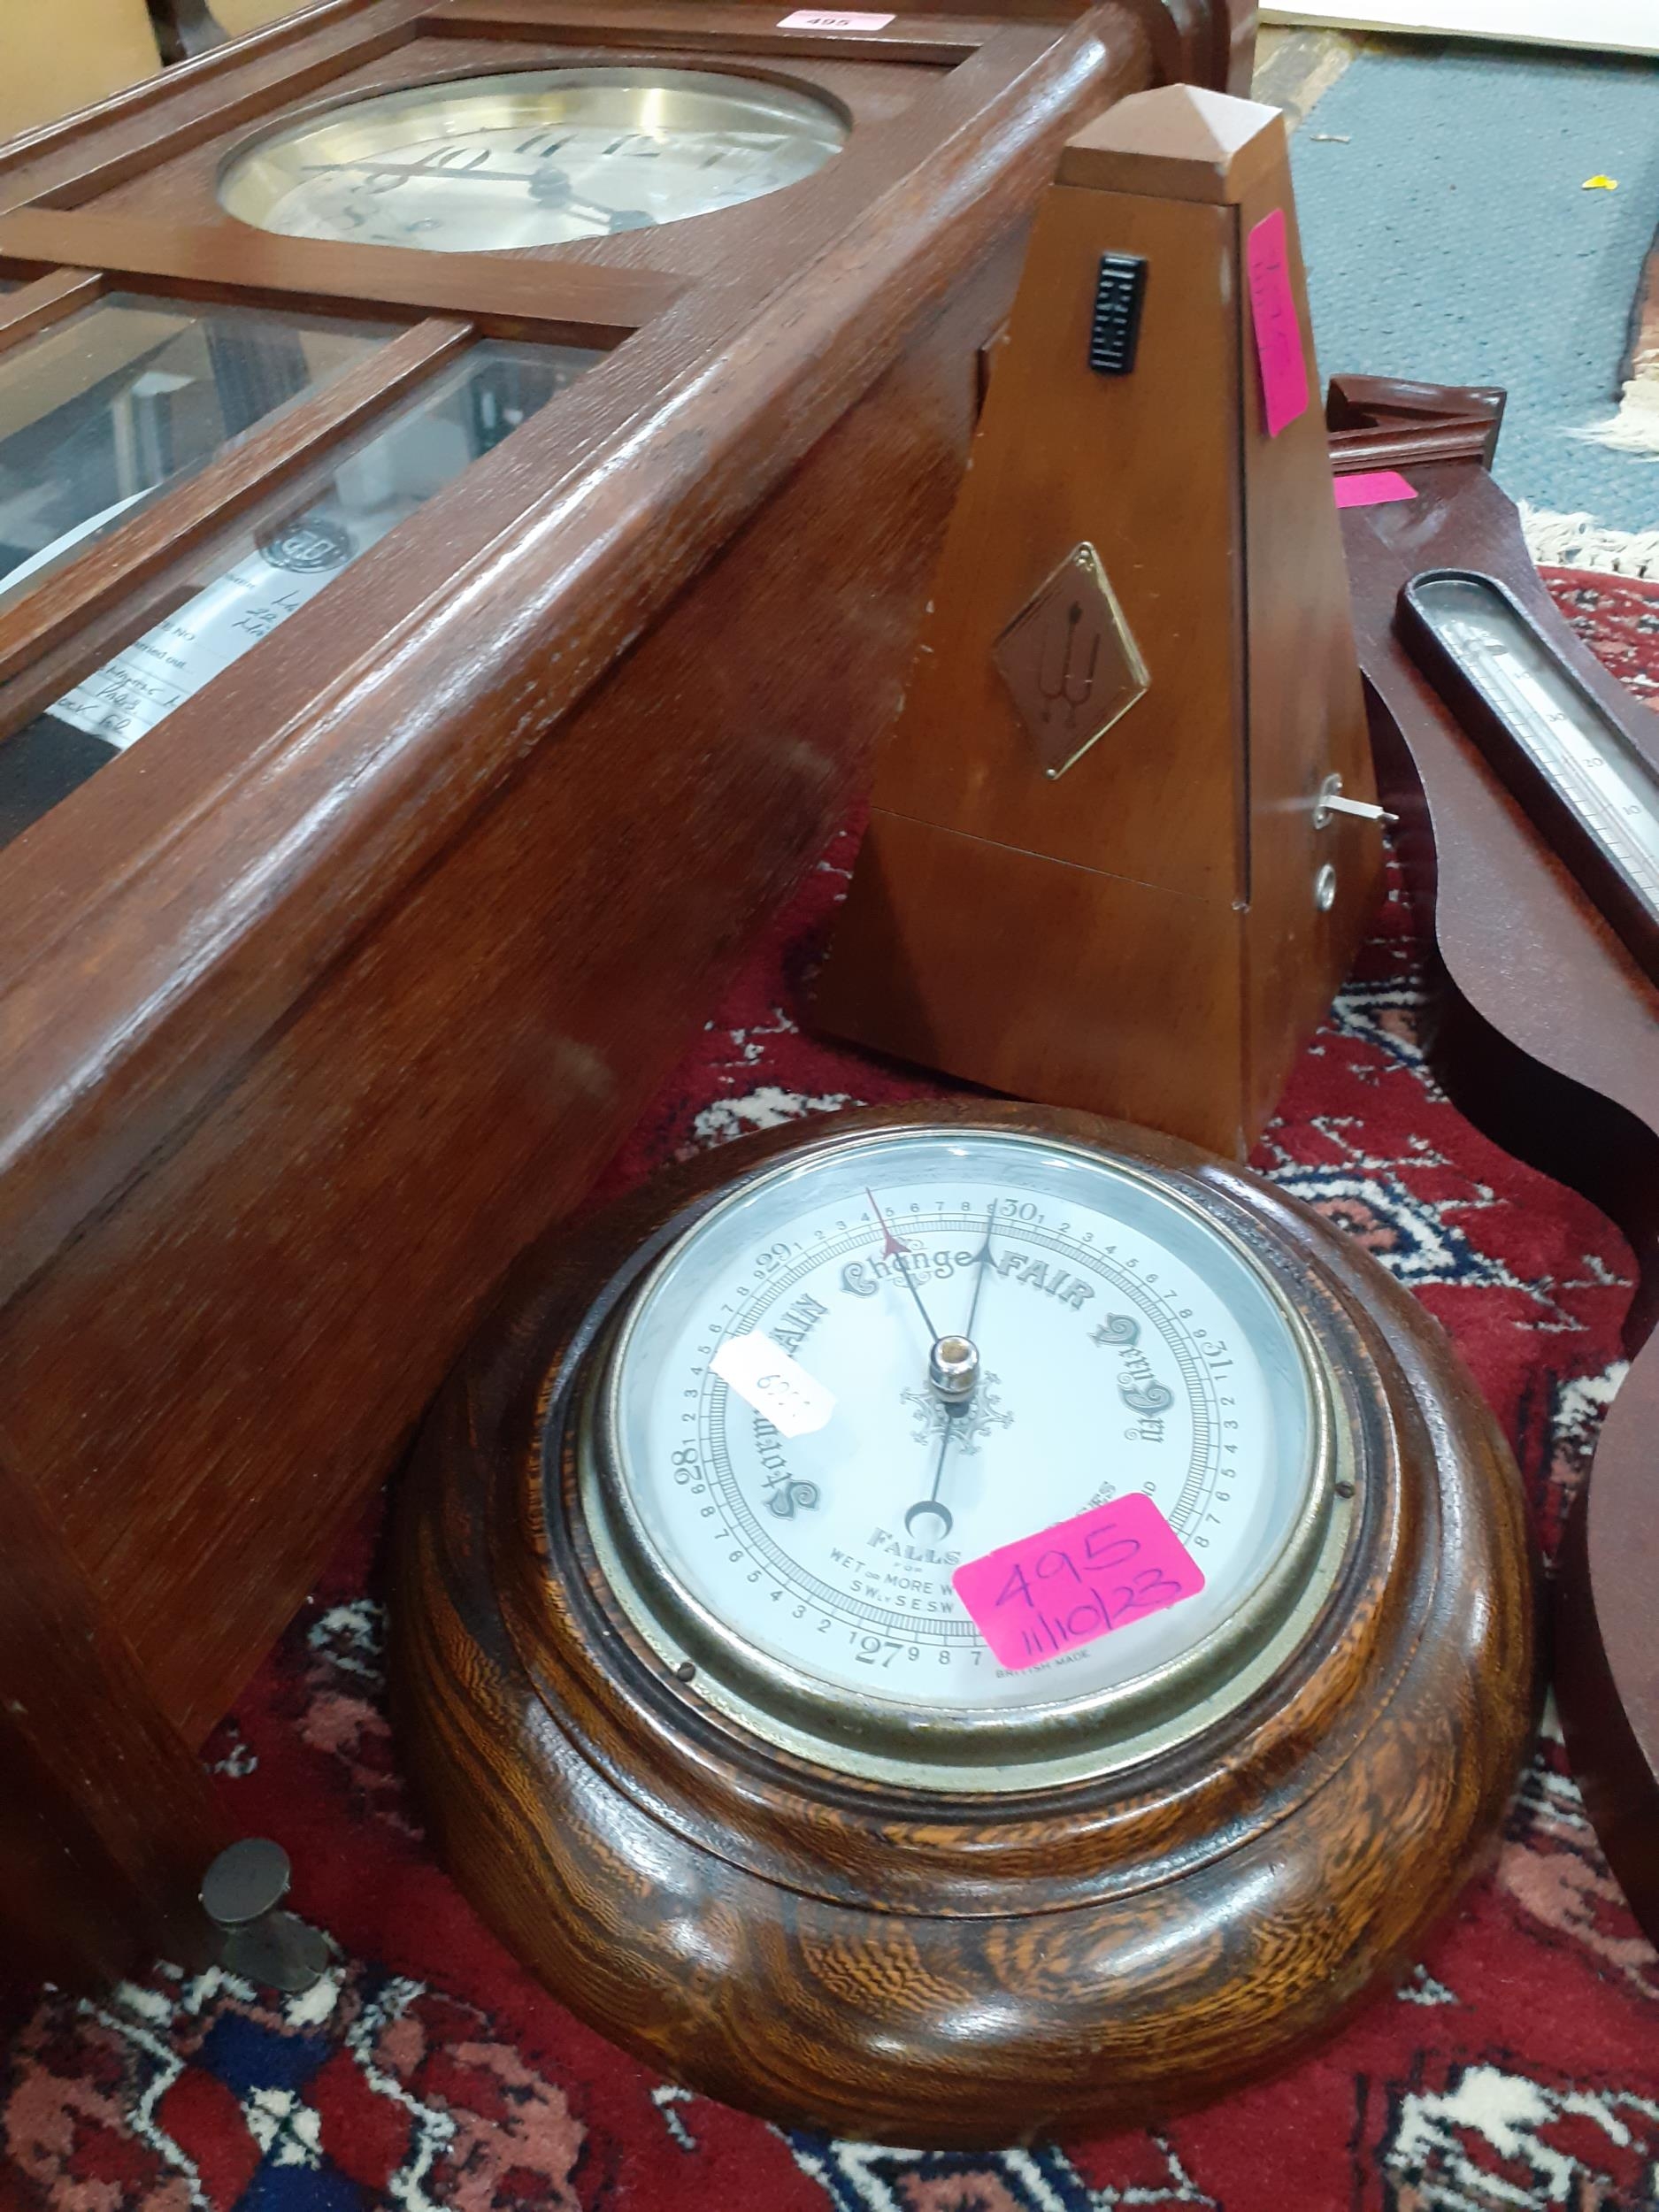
1450,238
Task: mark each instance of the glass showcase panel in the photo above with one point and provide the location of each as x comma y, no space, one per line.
242,590
130,397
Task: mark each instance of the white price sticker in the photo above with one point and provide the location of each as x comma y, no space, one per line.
125,699
831,19
765,1376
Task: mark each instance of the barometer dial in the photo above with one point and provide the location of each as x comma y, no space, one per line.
537,157
866,1374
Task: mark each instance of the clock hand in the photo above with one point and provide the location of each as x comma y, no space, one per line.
954,1371
482,175
893,1249
985,1261
551,187
929,1507
953,1364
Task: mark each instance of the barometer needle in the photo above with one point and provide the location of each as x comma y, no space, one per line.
985,1261
893,1249
930,1504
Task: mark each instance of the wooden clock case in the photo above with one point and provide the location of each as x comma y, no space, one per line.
918,1967
321,1001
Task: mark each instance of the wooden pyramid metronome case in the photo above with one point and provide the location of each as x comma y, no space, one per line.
1123,843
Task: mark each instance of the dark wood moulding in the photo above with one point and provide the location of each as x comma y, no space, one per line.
321,1001
1545,1031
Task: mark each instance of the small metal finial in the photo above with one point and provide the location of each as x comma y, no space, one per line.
240,1893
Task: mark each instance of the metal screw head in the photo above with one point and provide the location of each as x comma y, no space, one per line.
1324,888
953,1367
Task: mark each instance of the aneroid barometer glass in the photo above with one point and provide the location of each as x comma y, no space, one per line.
967,1457
537,158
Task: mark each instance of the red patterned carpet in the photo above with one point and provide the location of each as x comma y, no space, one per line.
1518,2067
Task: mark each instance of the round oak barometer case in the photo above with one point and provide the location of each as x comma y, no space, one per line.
533,157
962,1624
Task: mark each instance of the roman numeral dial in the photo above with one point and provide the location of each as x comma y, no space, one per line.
537,158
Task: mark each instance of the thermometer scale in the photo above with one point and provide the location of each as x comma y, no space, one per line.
1593,790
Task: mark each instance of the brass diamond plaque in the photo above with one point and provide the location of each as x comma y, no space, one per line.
1070,662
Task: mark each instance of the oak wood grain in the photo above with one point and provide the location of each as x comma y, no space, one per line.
106,1820
593,304
908,37
559,972
48,300
327,996
939,1970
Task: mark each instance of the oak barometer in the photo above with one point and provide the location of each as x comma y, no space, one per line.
1019,1607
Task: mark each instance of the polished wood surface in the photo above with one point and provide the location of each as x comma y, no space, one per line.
1139,935
321,1001
106,1820
1545,1031
930,1969
37,306
560,968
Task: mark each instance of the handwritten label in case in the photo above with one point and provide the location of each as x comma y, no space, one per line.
1278,327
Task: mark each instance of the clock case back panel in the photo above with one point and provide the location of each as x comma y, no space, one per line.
321,1002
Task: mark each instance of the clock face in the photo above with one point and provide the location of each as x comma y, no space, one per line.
963,1452
535,159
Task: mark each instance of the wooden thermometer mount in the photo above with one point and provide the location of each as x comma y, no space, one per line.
1120,855
1544,994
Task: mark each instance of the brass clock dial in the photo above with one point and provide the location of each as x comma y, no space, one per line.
536,158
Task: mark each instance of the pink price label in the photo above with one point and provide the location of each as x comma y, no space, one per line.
1276,324
831,19
1372,488
1067,1585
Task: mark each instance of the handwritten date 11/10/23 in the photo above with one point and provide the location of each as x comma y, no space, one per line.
1075,1582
